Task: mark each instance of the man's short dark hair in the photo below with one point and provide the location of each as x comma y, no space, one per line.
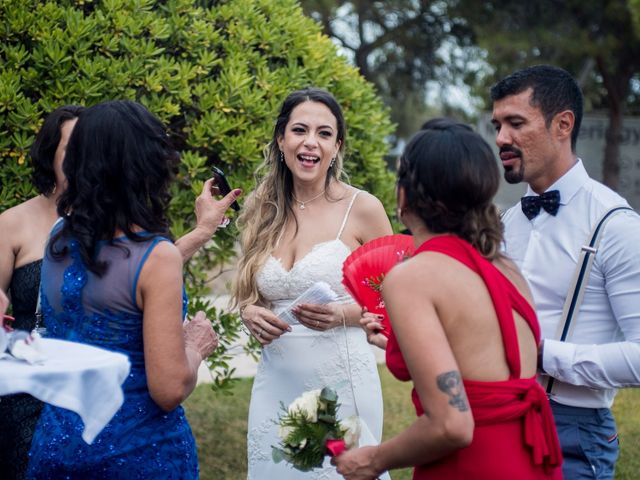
554,90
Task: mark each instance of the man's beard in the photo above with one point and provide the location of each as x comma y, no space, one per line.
513,176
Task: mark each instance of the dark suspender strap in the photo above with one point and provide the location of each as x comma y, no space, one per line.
576,292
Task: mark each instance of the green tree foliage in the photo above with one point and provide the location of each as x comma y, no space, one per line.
594,40
214,72
634,7
398,45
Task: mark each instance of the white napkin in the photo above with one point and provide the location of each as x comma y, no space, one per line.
319,293
4,341
84,379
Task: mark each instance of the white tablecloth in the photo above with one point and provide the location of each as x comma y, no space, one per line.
84,379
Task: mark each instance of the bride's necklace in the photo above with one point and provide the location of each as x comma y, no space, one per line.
301,204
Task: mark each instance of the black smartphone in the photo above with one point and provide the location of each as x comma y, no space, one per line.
223,185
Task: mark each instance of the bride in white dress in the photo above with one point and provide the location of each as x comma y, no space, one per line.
298,227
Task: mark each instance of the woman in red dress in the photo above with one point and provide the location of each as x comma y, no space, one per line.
464,331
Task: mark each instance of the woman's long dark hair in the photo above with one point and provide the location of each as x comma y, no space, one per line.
450,176
43,150
119,164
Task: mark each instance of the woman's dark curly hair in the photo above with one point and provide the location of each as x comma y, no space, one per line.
43,150
119,165
450,175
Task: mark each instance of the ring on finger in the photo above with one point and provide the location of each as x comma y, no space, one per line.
259,333
317,323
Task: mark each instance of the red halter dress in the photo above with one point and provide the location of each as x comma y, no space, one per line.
515,434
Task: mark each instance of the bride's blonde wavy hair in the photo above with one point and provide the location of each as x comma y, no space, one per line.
266,210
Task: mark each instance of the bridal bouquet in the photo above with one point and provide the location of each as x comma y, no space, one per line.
309,430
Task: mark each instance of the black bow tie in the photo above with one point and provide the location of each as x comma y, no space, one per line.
550,201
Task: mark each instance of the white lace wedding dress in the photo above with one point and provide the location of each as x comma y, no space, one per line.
305,359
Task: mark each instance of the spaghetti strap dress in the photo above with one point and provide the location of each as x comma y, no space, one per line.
515,435
305,359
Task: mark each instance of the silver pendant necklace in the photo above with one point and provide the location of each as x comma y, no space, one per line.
301,204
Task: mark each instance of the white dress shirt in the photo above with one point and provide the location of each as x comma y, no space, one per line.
603,353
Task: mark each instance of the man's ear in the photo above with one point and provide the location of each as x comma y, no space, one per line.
563,124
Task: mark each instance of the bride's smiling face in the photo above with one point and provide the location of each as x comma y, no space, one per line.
310,141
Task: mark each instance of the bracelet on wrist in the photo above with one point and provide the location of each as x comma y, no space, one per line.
344,317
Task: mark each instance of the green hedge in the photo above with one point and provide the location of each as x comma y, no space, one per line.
215,72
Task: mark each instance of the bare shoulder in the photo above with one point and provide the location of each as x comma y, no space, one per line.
367,204
165,253
160,274
400,274
510,270
9,220
370,218
16,216
21,218
417,271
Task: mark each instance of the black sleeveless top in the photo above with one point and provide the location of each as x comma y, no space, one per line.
19,413
24,285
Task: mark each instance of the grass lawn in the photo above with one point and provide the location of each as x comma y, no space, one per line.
219,423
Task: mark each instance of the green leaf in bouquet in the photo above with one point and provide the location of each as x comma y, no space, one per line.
328,395
310,453
278,455
327,418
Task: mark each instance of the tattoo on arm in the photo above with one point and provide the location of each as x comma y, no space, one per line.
451,384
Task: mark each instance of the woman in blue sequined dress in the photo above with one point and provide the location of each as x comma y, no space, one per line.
111,278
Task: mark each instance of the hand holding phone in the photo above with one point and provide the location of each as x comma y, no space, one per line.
223,186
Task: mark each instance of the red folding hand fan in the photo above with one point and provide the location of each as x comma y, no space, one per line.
364,270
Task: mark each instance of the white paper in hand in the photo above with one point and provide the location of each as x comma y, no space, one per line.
319,293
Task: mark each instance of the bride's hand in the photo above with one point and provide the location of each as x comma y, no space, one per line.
320,317
263,324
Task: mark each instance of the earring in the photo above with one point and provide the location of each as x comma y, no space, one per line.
53,192
281,156
333,160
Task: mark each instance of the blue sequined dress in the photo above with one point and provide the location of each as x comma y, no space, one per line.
141,441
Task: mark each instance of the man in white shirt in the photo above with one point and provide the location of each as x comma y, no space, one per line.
537,113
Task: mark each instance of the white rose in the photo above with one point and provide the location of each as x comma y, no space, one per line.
284,432
306,404
351,429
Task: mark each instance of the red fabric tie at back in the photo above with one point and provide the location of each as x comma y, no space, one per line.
495,402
